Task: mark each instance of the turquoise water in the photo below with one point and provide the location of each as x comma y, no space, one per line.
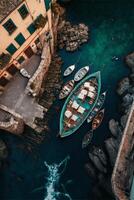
111,34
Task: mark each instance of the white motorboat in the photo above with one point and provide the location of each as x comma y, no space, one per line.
81,73
24,73
69,70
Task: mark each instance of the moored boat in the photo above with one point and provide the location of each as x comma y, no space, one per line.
98,119
87,139
81,73
79,104
69,70
66,89
97,107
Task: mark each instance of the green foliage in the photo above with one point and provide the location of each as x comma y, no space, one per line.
4,59
40,21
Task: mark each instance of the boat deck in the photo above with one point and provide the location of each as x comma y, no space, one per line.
84,107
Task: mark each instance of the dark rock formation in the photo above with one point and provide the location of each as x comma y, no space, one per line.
97,162
112,145
110,149
124,120
71,37
123,86
114,127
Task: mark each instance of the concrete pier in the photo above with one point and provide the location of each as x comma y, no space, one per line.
124,166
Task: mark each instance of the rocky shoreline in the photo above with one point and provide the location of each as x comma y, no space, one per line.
100,165
71,37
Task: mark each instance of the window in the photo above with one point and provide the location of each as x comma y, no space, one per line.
31,28
21,59
3,81
20,39
9,26
23,11
11,49
12,69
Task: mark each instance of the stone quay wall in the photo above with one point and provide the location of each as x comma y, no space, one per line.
34,84
15,124
123,169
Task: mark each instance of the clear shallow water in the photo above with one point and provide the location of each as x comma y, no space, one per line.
111,25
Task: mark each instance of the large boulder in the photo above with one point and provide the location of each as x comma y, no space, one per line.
131,90
127,100
124,120
112,146
132,78
97,162
91,170
130,61
114,127
123,86
101,155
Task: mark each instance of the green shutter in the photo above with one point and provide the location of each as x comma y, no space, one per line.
11,49
9,26
47,3
31,28
21,59
23,11
20,39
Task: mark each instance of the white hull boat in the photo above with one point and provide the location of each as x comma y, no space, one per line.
81,73
69,70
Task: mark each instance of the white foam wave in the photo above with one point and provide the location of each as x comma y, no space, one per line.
54,174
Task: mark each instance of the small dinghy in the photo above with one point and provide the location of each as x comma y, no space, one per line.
81,73
98,119
69,70
97,107
87,139
66,89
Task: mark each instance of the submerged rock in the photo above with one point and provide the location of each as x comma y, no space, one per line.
124,120
123,86
132,78
3,150
91,170
128,99
101,155
97,162
130,61
114,126
112,146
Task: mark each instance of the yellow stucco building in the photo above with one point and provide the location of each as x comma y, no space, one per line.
24,25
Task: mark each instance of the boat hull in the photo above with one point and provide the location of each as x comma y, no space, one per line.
87,139
69,70
98,119
64,92
81,73
65,133
98,105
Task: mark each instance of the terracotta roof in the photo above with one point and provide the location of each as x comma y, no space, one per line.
6,6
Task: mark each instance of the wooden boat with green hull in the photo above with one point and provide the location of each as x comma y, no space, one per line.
79,104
